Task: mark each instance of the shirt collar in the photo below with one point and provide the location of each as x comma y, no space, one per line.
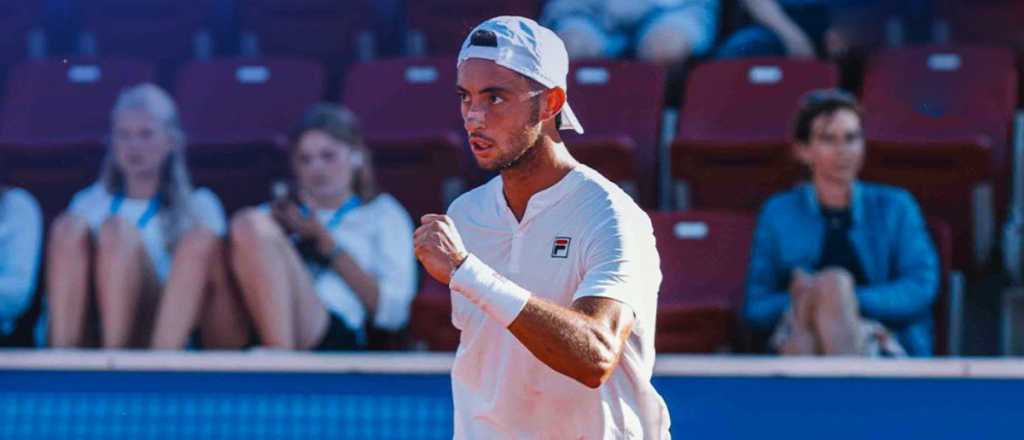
541,200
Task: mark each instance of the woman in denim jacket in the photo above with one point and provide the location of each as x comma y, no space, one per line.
840,266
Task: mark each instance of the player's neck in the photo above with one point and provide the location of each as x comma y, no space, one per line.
833,194
549,163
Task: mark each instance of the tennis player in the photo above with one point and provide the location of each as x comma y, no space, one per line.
553,268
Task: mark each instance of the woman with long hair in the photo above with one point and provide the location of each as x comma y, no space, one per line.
329,257
140,248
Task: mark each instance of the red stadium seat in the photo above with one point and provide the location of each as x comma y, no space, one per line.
938,121
704,256
619,104
236,113
324,30
733,146
430,324
438,27
160,31
55,119
948,308
410,116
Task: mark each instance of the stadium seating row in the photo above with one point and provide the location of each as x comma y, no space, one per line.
938,121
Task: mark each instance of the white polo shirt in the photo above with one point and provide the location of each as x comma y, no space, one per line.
581,237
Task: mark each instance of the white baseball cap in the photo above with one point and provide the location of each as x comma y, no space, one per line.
522,45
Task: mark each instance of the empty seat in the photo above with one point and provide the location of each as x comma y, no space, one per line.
733,146
330,31
438,27
237,112
937,122
410,116
18,18
160,31
430,322
55,119
704,257
619,104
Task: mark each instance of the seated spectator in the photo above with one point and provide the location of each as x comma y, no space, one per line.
147,242
661,31
329,256
811,28
21,244
840,266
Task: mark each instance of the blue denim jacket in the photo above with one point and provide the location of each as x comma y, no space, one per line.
888,234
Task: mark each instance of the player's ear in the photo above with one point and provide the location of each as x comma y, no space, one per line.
555,99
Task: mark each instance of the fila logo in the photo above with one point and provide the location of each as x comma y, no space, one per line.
561,247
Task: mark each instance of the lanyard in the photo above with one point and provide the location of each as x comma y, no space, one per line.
151,210
340,213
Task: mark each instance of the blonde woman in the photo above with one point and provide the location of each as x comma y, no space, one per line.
330,256
146,241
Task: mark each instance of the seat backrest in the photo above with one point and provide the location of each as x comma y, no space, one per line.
445,23
404,97
159,31
750,100
58,101
704,256
941,92
17,17
619,98
321,29
239,100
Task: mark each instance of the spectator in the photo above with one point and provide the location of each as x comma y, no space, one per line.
838,266
806,28
21,243
330,256
661,31
147,241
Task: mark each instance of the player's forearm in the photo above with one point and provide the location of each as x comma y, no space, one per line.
568,341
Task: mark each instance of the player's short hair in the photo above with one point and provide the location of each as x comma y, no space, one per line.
820,102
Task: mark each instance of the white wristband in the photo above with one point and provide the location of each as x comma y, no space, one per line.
494,294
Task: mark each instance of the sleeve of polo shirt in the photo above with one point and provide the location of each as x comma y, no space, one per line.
621,263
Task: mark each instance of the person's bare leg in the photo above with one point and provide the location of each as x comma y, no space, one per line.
802,340
185,292
277,289
836,315
225,321
126,286
68,284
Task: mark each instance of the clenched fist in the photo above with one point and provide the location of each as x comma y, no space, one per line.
439,247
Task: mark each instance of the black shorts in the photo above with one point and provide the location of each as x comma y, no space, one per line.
338,336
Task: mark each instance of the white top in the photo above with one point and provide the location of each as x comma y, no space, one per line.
581,237
21,242
378,237
95,204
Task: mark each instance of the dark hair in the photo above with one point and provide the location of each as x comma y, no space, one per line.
820,102
342,125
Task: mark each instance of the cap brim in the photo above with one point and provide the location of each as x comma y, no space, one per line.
569,120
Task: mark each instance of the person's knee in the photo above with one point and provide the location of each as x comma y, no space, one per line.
118,234
250,227
836,289
69,229
664,43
